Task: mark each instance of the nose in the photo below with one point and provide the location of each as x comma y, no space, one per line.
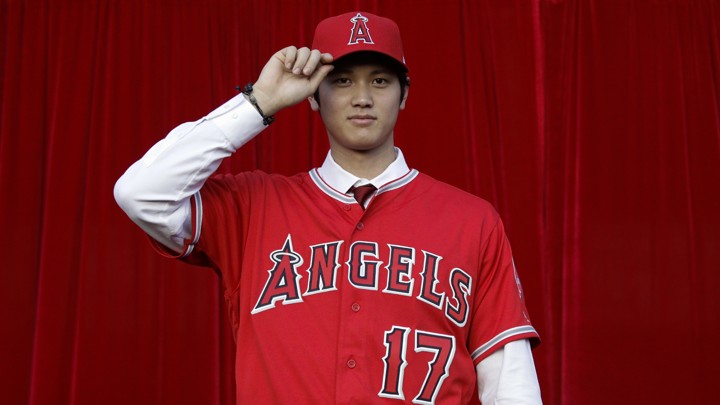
362,96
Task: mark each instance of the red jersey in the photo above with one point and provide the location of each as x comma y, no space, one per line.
331,303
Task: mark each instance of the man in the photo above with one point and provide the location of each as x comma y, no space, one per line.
406,293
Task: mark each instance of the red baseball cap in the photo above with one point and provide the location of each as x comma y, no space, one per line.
359,31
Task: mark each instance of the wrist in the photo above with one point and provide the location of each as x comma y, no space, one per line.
260,102
264,101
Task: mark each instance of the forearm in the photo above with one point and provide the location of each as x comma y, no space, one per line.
155,191
508,377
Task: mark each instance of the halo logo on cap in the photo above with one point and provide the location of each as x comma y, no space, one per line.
359,31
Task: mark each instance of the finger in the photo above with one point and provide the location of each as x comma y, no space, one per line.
290,54
312,62
326,58
302,57
319,74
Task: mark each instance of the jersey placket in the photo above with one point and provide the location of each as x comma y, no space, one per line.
353,359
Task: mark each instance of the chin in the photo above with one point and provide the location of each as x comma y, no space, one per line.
366,146
360,141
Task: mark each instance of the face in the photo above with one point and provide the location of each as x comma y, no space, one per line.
359,104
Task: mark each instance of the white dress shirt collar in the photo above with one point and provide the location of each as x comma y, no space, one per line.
342,180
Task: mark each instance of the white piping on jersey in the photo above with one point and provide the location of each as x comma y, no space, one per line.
198,224
348,198
504,335
325,188
399,182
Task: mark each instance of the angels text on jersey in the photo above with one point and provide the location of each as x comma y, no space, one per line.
364,269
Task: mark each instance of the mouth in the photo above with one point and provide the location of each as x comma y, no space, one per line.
362,119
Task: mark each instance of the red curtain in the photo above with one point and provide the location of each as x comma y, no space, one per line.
593,126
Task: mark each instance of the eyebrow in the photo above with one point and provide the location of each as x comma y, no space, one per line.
348,70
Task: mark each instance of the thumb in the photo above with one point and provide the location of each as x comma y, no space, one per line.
317,77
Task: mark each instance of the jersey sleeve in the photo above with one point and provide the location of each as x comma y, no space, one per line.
221,213
499,314
184,251
218,223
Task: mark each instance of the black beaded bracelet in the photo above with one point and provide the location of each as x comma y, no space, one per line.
247,91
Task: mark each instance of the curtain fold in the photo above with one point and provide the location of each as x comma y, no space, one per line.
592,126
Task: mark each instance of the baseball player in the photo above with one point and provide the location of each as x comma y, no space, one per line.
361,281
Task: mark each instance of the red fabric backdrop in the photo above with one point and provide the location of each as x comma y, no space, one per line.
593,127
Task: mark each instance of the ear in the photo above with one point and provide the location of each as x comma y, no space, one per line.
405,96
313,104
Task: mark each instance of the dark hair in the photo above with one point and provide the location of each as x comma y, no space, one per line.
369,57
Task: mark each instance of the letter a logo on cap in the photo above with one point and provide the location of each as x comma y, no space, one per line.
360,30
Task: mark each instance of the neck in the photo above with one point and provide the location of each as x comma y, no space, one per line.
364,164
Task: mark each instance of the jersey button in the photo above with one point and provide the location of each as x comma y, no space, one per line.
346,207
355,307
360,226
351,363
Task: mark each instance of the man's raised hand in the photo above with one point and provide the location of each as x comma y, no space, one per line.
290,76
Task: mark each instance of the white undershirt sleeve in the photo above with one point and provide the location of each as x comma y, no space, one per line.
508,377
155,191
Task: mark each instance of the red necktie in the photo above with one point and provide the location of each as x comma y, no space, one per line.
362,193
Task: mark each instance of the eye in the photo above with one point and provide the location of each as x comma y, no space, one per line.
382,81
341,81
